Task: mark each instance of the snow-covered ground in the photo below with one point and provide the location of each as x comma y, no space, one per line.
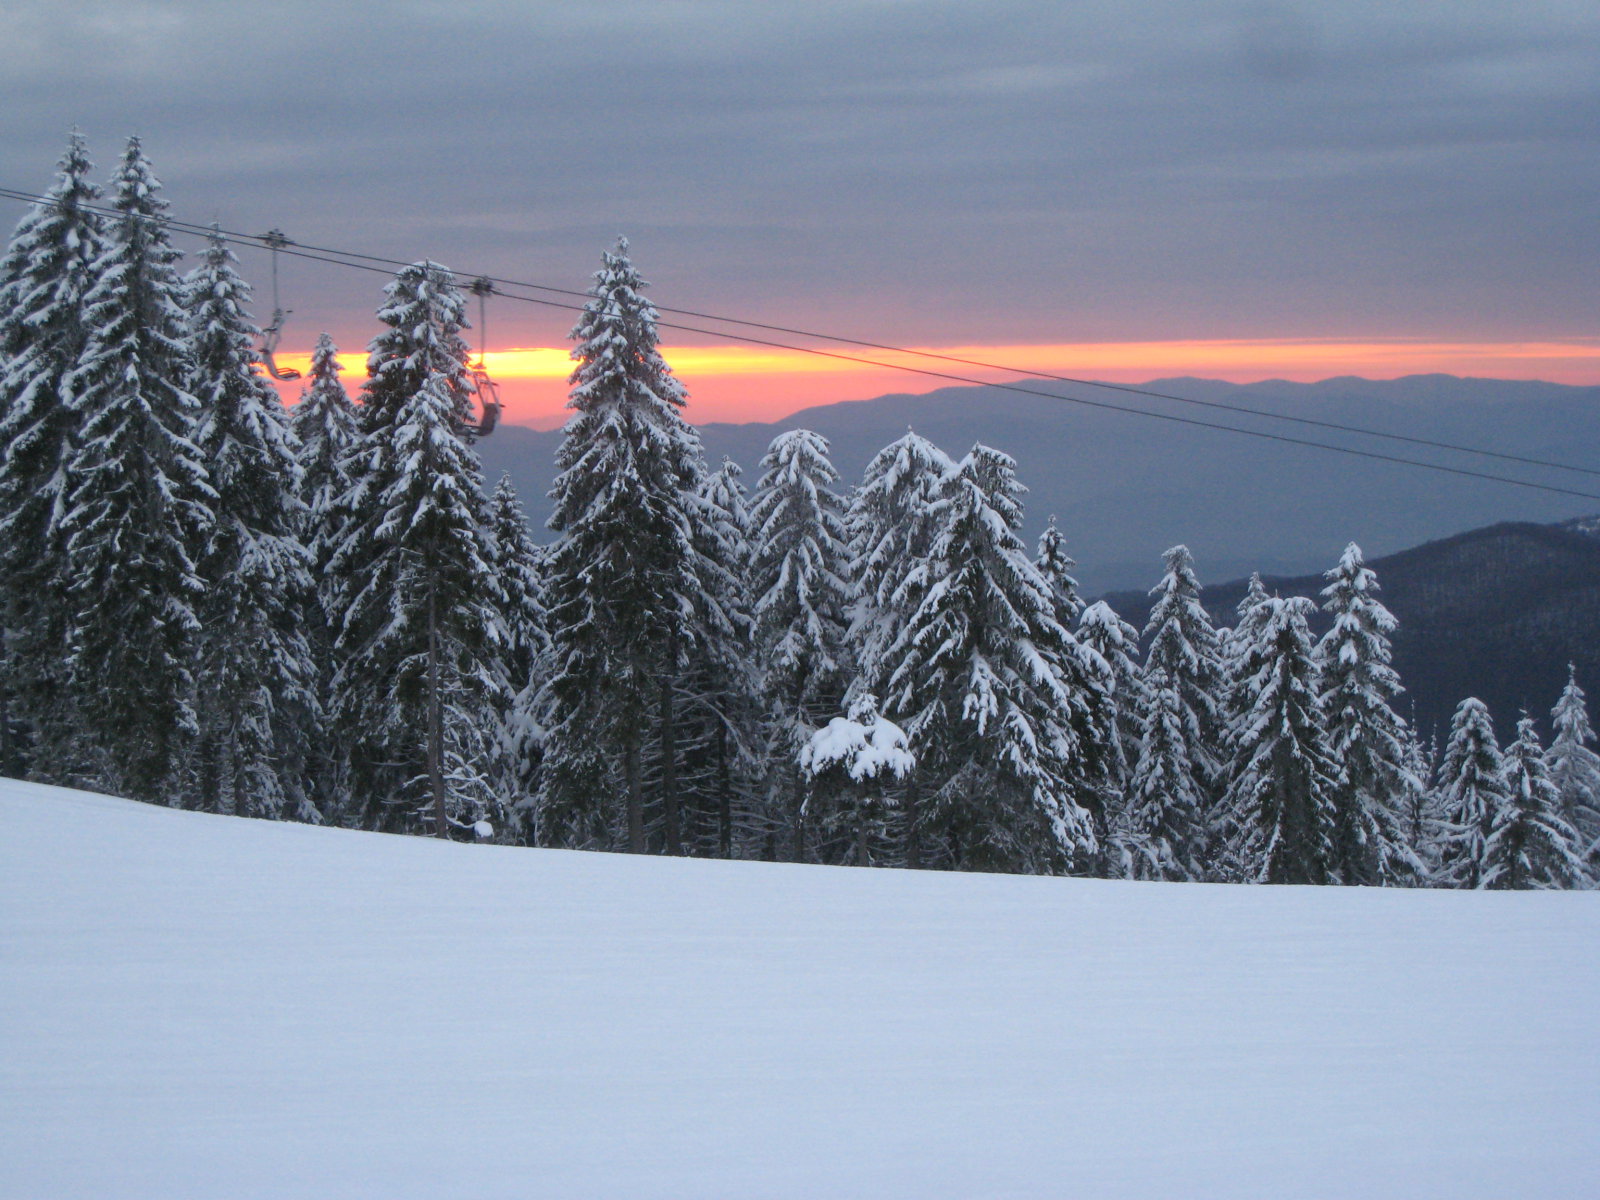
209,1007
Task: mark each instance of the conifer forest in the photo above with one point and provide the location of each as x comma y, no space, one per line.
324,613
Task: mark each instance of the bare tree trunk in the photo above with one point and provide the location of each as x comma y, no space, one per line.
441,823
669,768
913,825
725,800
863,859
6,749
632,773
797,851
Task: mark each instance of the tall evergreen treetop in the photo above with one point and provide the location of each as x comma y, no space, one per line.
999,698
1367,737
1473,789
45,275
1239,645
891,529
138,509
799,563
1180,768
256,678
424,313
421,637
325,426
1530,845
1283,777
1183,643
1056,565
628,582
1574,768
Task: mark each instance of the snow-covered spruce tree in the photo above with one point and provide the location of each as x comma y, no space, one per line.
850,760
891,531
1102,632
422,633
1421,820
1368,739
625,581
137,511
1472,790
45,275
799,562
326,431
425,313
720,722
1530,845
255,679
419,698
1056,566
326,435
1239,647
1102,797
518,565
1574,768
1177,774
995,695
1283,779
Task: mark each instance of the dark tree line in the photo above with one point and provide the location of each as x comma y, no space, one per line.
325,616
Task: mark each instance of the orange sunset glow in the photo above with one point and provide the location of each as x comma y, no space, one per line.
755,383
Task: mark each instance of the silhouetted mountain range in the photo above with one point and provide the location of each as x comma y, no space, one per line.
1124,488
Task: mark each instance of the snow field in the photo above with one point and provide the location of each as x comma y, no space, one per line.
199,1006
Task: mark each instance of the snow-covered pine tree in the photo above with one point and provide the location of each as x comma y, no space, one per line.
851,760
518,565
891,531
1368,739
138,506
326,431
719,703
625,579
45,275
1163,835
326,435
1530,845
1238,647
1472,790
421,684
424,312
798,576
1574,768
1104,633
1178,770
418,693
1101,797
1057,566
256,681
1421,819
1282,778
993,692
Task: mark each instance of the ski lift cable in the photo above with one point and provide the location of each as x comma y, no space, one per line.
1078,400
1244,410
339,258
1128,389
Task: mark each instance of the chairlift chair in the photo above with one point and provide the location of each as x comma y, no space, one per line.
488,392
275,240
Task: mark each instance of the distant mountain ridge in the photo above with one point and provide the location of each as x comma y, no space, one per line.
1496,613
1124,487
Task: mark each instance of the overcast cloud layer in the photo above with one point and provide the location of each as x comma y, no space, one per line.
936,172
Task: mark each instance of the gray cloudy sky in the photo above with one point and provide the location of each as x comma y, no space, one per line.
937,172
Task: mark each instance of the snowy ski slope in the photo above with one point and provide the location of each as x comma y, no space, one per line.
208,1007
